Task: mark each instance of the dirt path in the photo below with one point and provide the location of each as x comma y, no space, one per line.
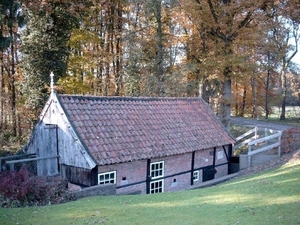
258,123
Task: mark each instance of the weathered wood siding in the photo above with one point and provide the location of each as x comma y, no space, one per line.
70,148
78,175
49,140
44,145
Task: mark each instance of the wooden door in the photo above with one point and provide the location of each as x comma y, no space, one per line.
208,173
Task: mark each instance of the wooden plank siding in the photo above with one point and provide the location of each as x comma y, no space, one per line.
81,176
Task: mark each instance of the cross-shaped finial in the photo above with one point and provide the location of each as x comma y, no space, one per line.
51,82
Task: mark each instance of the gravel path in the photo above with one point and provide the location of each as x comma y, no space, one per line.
248,122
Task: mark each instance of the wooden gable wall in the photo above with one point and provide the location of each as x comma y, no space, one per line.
53,135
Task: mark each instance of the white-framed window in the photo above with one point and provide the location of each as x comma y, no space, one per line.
157,169
196,175
107,178
156,186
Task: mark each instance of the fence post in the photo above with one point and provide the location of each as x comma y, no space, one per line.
266,134
279,146
11,167
255,133
249,156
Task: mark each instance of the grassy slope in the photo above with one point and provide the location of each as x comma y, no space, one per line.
271,197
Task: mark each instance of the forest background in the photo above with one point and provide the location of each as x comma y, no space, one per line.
237,54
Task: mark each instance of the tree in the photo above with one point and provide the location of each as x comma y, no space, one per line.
11,20
96,49
290,32
145,61
45,48
224,22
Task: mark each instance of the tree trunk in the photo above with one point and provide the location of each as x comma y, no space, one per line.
12,82
118,74
284,92
225,104
206,91
253,87
243,102
237,111
159,60
1,91
267,94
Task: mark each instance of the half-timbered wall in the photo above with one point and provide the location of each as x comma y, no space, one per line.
131,176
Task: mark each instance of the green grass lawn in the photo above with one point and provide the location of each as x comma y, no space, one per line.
272,197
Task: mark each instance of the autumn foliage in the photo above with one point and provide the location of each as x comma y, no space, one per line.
20,188
238,51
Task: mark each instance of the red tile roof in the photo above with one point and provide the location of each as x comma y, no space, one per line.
120,129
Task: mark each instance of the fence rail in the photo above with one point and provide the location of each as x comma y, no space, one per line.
245,142
3,160
259,141
266,145
12,163
16,162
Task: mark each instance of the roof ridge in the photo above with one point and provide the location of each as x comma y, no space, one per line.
133,98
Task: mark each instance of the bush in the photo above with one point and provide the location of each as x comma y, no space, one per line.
23,189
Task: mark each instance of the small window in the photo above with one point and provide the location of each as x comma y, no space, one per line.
196,175
107,178
157,169
157,187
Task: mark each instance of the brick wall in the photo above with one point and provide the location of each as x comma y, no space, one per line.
128,173
176,170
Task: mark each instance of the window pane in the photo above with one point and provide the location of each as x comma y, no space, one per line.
156,186
105,178
196,175
157,169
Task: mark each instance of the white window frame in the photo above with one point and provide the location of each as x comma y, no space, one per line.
159,170
109,178
196,175
159,189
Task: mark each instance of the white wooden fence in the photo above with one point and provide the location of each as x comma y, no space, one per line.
245,142
270,139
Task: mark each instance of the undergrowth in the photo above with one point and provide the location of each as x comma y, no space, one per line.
20,188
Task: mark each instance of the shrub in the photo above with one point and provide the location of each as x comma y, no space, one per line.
23,189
